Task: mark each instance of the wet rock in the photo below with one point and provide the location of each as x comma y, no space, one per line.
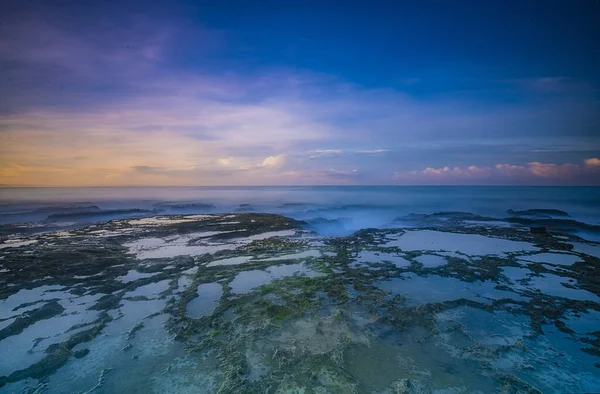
80,353
443,219
594,340
57,357
101,213
245,208
512,384
566,225
405,386
538,212
83,208
47,311
109,301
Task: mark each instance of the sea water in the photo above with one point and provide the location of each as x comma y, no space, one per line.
332,210
363,289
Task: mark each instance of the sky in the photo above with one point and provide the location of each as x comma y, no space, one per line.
299,93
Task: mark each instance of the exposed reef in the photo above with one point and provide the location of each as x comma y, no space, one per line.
259,303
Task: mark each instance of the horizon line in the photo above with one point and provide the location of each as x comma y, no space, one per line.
242,186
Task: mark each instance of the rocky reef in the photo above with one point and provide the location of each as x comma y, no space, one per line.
254,302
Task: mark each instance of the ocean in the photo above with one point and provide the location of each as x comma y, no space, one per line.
355,207
331,289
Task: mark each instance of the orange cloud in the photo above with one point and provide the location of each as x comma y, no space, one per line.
505,171
593,162
274,161
552,170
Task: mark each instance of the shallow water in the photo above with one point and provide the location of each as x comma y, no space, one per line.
471,244
552,258
431,260
248,280
206,300
184,304
435,288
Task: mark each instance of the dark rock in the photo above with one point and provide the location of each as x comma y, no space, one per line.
566,225
109,212
69,209
80,353
47,311
538,230
406,386
56,357
109,301
245,208
538,212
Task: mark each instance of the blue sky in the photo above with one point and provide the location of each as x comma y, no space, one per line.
211,93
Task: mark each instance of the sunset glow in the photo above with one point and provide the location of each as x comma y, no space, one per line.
178,96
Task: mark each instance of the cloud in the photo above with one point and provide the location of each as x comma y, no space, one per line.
114,175
75,95
149,169
553,170
593,162
274,161
471,171
373,151
532,172
316,153
319,153
511,170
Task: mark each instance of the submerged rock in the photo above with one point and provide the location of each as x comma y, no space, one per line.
80,353
538,230
47,311
405,386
